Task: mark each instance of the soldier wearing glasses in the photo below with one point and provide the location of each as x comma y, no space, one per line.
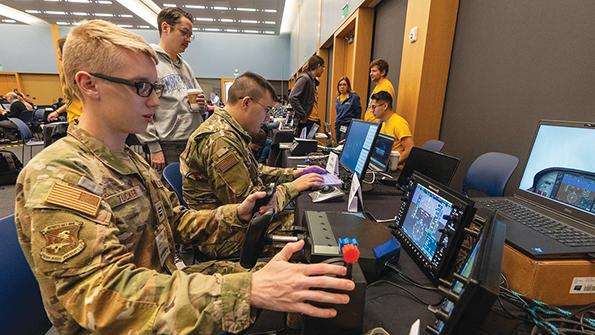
218,166
175,120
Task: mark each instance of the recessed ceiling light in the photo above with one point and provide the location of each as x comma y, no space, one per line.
195,6
246,9
54,12
33,11
79,13
103,14
270,11
206,19
248,21
270,22
220,8
79,1
9,21
144,27
231,30
226,20
212,29
169,5
125,15
195,29
51,0
21,16
104,2
269,32
124,25
251,31
145,9
62,23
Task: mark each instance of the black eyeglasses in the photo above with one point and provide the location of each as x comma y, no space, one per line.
187,34
267,109
143,88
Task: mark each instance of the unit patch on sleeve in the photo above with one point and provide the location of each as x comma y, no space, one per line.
226,162
62,242
74,198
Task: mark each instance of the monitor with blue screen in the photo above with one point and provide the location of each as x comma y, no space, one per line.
561,165
358,146
424,218
381,153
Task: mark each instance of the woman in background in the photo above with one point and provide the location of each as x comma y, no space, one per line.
347,105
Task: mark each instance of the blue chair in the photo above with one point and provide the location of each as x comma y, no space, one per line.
433,145
26,137
173,177
489,173
21,307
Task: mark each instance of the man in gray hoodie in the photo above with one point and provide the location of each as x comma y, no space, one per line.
175,119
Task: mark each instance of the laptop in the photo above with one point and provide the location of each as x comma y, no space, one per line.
354,157
552,212
381,153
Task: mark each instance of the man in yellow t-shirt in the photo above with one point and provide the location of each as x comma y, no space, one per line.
378,73
392,124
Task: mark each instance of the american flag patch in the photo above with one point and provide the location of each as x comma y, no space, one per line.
74,198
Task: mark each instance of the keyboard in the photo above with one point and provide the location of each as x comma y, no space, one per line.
331,180
554,229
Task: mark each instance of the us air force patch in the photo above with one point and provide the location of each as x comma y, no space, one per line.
62,242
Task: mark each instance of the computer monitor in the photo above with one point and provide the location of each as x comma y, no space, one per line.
359,142
431,224
381,153
435,165
560,169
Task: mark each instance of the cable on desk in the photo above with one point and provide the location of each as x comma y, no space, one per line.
409,279
373,178
411,294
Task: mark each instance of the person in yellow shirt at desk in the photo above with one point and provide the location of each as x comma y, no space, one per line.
392,124
73,107
378,73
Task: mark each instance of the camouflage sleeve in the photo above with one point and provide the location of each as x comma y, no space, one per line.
271,174
229,177
99,286
285,193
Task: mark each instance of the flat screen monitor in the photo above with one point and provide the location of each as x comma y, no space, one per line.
381,152
560,169
358,146
424,220
435,165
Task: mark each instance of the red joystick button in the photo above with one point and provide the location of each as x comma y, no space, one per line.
350,253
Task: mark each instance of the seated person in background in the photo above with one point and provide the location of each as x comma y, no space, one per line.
260,146
217,165
392,124
9,130
98,226
378,73
347,105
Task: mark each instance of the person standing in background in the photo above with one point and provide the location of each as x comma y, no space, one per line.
347,105
175,119
303,95
378,73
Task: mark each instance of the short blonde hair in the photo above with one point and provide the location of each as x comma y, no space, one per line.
97,46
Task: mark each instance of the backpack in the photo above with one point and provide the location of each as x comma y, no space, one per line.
10,166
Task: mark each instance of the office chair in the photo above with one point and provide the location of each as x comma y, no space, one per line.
21,307
26,137
173,177
489,173
433,145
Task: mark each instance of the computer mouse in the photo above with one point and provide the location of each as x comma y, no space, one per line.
327,189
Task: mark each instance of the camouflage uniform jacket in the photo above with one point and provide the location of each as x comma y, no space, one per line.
219,168
87,220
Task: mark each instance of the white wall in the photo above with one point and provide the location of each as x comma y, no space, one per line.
211,55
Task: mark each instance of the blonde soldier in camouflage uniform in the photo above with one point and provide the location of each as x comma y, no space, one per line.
219,168
98,228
